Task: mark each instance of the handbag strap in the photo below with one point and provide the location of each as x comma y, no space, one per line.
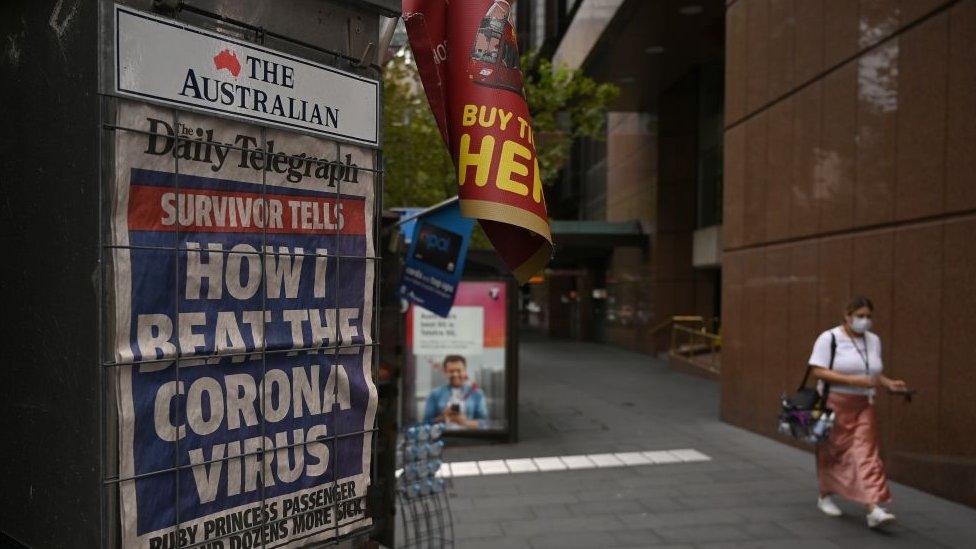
833,351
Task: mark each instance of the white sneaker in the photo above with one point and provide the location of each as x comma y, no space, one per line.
879,517
828,507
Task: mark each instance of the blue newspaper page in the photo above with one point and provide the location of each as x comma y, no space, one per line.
243,293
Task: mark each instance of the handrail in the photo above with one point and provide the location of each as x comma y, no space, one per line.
697,342
673,320
701,333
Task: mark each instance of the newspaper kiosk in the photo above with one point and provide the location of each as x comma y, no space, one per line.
193,222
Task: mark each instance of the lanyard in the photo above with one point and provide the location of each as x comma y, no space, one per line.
864,354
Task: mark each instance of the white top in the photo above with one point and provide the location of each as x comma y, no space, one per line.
849,358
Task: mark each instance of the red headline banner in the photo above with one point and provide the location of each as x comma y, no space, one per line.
468,60
211,211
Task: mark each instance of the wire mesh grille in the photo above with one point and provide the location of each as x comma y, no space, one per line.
426,522
257,527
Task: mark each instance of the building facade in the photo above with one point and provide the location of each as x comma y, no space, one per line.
782,156
850,168
657,168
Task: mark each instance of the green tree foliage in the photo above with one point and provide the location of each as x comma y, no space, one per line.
564,104
419,170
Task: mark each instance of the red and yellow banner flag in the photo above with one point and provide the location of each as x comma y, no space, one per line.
468,60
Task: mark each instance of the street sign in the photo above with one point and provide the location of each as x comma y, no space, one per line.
168,62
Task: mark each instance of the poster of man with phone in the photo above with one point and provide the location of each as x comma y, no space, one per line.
457,364
459,403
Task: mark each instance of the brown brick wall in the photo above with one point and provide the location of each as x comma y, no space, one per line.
850,168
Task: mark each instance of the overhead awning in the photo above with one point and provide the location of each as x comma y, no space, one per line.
598,233
578,241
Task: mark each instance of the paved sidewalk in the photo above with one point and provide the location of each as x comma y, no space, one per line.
579,398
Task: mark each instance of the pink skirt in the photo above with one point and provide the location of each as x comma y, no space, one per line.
848,463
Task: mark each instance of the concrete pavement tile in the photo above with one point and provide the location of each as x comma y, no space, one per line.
887,540
605,460
768,512
494,486
792,543
834,528
469,530
660,504
657,476
746,500
696,534
494,543
549,464
561,540
460,503
636,538
577,462
532,528
952,513
662,545
584,477
522,499
660,439
618,507
493,467
577,424
800,474
920,522
745,487
654,491
668,519
764,530
719,465
662,456
925,522
615,473
614,494
485,515
566,485
464,469
740,475
552,510
633,458
951,537
524,465
720,462
690,455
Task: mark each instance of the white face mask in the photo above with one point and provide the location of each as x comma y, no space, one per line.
861,324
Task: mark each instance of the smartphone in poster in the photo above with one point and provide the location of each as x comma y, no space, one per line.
459,360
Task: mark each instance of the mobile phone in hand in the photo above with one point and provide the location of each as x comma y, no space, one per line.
907,393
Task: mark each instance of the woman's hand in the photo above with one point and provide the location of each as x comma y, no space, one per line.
894,385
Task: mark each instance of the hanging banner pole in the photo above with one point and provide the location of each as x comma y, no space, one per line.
468,60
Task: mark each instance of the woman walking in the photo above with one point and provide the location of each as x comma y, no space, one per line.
848,463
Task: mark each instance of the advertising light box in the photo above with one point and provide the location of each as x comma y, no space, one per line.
460,362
